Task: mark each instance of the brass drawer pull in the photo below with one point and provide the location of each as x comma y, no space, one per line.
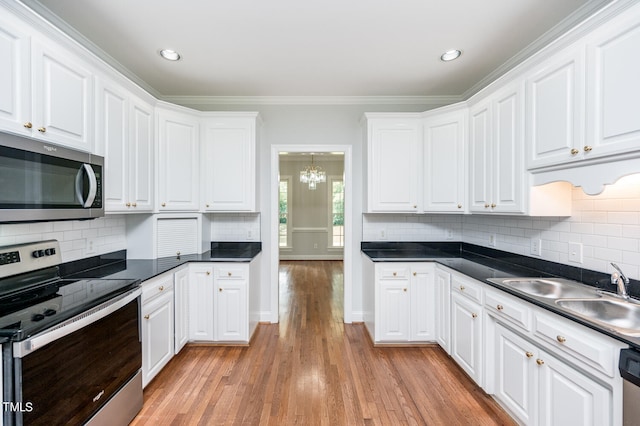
462,288
574,151
588,148
146,317
220,290
229,274
529,354
28,125
539,361
161,288
395,274
561,339
404,289
42,129
208,273
499,307
474,315
415,273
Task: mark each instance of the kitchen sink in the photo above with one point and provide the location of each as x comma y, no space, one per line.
548,288
621,315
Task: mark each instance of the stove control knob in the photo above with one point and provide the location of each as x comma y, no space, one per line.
37,317
49,312
50,251
38,253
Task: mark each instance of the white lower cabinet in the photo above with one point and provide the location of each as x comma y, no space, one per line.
404,303
201,302
156,325
442,281
181,308
466,335
231,303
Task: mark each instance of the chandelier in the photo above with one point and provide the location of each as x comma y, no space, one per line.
312,175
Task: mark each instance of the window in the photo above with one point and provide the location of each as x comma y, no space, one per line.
283,201
337,212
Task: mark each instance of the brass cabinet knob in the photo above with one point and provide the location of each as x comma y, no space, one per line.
574,151
161,288
415,206
395,274
529,354
220,290
539,361
146,317
42,129
561,339
499,307
404,289
229,274
128,204
134,204
486,206
459,206
493,205
462,288
207,205
588,148
208,273
28,125
164,204
474,315
415,273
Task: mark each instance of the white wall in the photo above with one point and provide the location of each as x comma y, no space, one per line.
607,226
107,234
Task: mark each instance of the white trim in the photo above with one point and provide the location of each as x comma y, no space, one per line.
434,101
310,230
348,222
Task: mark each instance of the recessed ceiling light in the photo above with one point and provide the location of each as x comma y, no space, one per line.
450,55
170,55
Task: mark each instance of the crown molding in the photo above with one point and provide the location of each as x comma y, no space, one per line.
193,101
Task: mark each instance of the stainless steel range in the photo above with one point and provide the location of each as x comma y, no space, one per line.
71,351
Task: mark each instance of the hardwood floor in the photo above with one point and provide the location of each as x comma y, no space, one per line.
313,369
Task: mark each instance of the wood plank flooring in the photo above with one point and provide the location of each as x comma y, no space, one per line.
312,369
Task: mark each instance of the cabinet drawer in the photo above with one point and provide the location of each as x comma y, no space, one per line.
390,272
506,307
581,344
231,272
155,287
466,287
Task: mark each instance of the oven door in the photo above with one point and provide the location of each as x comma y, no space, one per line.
68,379
45,182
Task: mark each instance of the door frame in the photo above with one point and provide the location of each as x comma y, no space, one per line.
348,223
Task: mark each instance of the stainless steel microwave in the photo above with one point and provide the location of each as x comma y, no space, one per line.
40,182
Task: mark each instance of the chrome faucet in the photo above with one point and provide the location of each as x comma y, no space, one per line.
621,281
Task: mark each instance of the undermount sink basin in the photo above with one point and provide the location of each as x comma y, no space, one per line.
551,288
622,316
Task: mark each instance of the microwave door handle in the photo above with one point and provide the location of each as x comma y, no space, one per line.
93,185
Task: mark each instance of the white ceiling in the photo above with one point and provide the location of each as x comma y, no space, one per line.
314,48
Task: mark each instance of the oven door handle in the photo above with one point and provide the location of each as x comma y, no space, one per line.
93,185
25,347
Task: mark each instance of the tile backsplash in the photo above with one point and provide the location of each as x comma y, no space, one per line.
607,226
78,238
235,227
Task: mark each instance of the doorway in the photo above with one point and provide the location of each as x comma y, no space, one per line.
340,229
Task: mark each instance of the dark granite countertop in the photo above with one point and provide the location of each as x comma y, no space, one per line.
116,265
482,263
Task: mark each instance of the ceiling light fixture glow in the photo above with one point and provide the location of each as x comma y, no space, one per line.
450,55
170,55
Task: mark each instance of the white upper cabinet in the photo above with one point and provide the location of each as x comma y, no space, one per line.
62,105
15,81
178,171
229,162
496,157
444,163
555,114
124,131
613,86
393,157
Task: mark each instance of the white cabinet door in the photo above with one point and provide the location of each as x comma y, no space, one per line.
613,87
555,112
443,309
113,138
62,97
422,294
201,302
15,78
141,141
480,158
181,308
444,162
393,159
516,374
569,397
157,335
508,158
466,335
229,164
231,318
394,315
178,177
